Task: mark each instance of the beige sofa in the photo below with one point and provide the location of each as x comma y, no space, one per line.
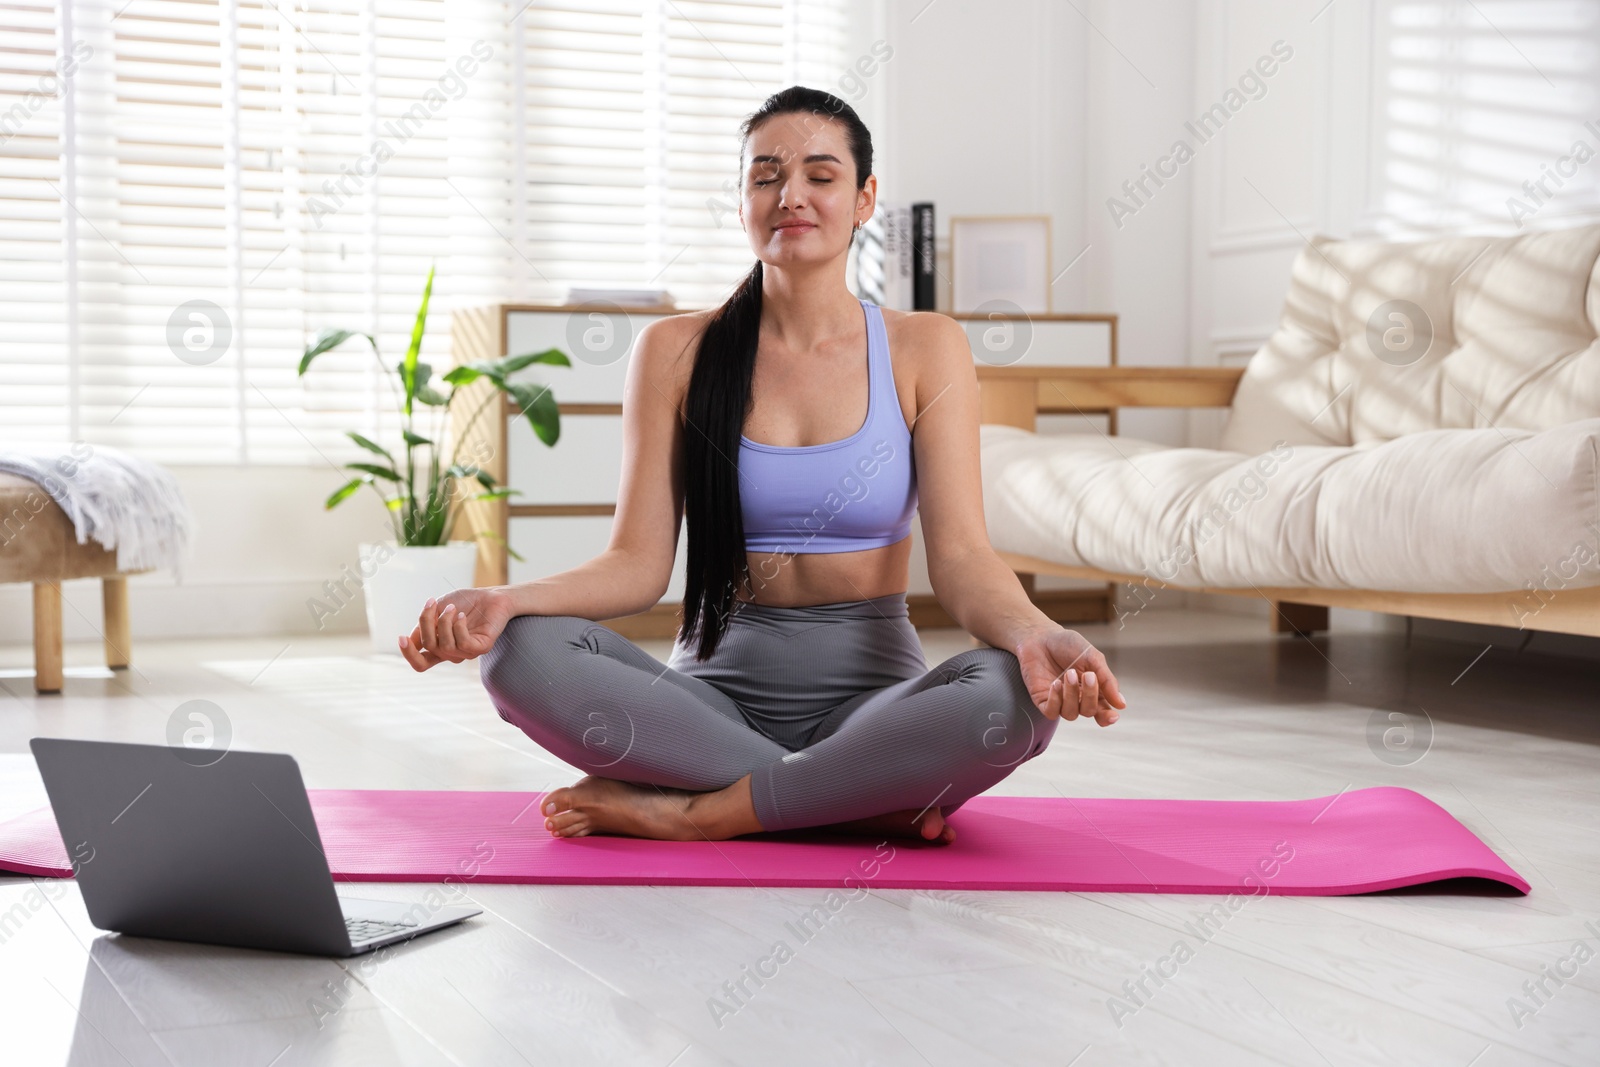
1420,435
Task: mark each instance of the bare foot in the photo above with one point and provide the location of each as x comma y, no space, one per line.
930,827
607,806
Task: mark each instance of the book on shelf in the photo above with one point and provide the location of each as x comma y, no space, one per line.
924,295
883,257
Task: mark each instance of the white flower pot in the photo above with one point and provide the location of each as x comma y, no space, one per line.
399,580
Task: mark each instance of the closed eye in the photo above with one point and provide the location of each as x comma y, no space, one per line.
769,181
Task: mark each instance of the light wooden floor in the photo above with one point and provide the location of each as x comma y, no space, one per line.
621,975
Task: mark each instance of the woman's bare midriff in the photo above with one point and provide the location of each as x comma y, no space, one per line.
804,579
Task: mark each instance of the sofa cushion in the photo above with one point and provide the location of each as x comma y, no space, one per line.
1513,326
1455,511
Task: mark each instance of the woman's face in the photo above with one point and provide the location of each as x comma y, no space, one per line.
800,202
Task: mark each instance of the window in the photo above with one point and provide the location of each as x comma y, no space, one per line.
189,190
1478,101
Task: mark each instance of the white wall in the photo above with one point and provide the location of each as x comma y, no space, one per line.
264,546
984,115
1031,107
1140,60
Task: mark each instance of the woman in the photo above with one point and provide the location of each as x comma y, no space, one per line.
796,694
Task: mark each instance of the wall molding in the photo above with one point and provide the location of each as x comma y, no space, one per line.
1241,239
1235,347
1254,335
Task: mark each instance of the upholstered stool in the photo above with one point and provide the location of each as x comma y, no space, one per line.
38,545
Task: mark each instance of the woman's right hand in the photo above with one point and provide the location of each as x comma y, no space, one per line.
461,626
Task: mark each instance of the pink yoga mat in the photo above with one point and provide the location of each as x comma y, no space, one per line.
1355,842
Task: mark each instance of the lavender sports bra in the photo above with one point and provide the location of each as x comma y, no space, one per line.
841,496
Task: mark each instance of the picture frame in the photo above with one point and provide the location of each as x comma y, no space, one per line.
1000,259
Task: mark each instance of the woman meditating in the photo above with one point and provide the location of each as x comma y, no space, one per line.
796,694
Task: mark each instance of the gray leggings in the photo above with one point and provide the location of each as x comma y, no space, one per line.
829,708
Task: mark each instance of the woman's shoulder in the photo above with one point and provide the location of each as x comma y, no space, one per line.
684,327
668,344
921,337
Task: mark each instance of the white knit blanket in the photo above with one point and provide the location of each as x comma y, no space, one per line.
125,503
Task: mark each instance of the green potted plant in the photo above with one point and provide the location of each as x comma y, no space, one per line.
423,494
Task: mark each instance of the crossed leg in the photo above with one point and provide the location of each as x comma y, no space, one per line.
938,739
671,756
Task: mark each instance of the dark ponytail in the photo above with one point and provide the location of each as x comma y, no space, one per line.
719,399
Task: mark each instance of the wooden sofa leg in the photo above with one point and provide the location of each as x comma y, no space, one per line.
1303,619
46,637
114,594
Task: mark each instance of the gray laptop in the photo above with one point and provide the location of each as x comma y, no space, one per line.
188,845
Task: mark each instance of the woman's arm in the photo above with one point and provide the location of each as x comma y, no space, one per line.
972,583
632,573
979,591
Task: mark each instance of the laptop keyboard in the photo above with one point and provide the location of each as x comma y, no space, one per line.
367,929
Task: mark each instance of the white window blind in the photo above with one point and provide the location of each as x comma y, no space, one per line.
628,120
36,392
189,190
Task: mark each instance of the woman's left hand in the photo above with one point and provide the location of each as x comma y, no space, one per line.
1067,677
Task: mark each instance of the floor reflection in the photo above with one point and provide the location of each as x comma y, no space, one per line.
170,1002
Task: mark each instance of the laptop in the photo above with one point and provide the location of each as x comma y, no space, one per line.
184,844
